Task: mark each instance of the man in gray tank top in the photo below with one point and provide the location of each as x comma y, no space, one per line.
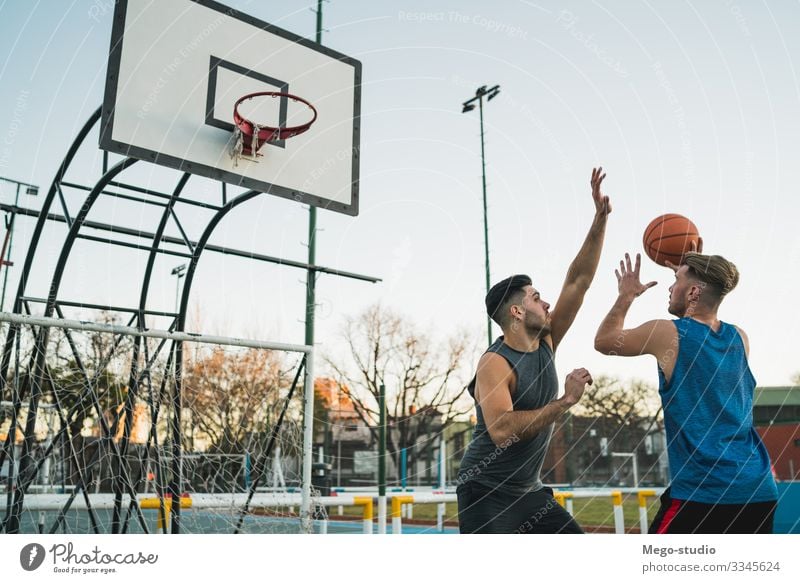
515,389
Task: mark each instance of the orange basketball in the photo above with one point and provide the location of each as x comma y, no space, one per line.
669,237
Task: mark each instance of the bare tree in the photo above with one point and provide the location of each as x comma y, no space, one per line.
232,394
622,411
86,364
423,380
796,378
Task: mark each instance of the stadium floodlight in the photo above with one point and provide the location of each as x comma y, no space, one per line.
469,105
178,272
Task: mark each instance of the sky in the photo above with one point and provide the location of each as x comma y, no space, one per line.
690,107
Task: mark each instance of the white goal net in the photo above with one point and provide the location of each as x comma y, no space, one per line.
102,432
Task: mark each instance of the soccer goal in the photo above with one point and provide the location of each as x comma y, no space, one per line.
110,429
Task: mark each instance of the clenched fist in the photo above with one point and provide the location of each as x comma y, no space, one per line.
575,385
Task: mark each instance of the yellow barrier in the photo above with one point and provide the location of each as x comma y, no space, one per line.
366,502
397,508
564,499
155,504
643,495
619,517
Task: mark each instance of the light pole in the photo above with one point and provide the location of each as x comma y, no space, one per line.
5,254
178,272
469,105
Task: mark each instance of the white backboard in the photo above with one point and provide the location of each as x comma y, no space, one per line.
175,70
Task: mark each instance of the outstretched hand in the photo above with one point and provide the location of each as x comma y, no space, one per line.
628,278
602,204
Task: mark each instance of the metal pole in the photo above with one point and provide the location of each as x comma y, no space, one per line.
619,517
3,261
180,241
8,255
306,509
175,485
319,21
311,281
441,509
311,278
178,272
403,463
382,461
30,189
42,321
339,462
485,218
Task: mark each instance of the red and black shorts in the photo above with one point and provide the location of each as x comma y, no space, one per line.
685,517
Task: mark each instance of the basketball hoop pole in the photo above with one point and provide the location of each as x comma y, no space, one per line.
311,299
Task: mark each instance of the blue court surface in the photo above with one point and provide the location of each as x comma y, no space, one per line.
194,521
348,527
787,518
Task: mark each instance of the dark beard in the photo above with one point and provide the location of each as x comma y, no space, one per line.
540,331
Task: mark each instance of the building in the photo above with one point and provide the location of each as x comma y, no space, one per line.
598,451
776,415
457,436
593,451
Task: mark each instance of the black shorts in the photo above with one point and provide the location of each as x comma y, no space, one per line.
482,510
683,517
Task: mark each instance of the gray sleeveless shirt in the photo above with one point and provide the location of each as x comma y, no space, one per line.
514,466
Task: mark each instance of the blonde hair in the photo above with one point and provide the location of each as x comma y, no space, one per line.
714,270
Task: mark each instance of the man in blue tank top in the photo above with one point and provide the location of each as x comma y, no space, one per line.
515,389
721,481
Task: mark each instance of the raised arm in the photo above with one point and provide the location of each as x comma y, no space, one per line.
584,266
493,393
655,337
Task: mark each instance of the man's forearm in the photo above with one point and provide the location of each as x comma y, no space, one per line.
613,324
584,265
523,425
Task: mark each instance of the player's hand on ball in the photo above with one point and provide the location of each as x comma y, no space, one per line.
628,278
696,247
575,385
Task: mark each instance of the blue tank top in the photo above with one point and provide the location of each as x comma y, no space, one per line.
715,453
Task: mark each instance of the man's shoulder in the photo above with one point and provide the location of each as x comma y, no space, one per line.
658,337
493,360
665,330
739,329
743,336
661,326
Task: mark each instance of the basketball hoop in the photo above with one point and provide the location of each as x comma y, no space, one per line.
250,136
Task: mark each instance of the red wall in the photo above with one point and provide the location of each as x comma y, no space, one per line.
780,442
